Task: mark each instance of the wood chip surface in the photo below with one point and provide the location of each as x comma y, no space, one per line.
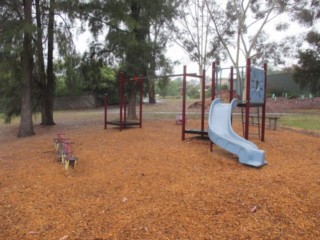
148,184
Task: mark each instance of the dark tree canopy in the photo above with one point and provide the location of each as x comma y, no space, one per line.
136,38
307,72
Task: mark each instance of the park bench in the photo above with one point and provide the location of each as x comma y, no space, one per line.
272,120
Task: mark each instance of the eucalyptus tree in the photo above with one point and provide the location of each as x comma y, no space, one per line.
147,38
194,32
241,24
135,36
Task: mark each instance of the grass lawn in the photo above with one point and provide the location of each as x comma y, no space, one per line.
303,121
169,108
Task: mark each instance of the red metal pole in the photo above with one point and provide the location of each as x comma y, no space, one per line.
203,79
213,82
248,73
124,111
184,86
141,94
121,99
105,110
265,67
213,90
231,84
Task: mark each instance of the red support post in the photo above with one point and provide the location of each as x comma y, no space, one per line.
231,84
184,86
121,99
264,103
203,79
124,110
248,75
213,82
141,95
105,110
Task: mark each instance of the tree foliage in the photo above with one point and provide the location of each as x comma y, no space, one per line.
135,37
11,40
96,76
46,33
241,24
240,28
307,71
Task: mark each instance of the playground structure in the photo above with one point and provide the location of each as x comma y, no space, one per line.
202,132
123,122
221,133
220,116
64,150
254,96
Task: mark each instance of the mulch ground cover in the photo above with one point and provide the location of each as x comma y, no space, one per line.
145,183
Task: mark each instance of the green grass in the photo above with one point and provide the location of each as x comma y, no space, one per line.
306,122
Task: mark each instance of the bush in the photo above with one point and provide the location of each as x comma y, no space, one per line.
193,92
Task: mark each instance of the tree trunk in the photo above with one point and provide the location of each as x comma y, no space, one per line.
134,58
152,91
200,80
49,91
40,65
151,82
26,123
132,115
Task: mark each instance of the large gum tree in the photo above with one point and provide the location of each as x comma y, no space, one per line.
133,36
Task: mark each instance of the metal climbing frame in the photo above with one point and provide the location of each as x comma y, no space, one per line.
202,132
123,122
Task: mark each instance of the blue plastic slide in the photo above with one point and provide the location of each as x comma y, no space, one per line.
221,133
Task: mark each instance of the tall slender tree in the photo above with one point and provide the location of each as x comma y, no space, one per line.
194,33
40,68
49,90
26,123
52,32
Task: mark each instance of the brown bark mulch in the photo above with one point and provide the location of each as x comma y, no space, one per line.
148,184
